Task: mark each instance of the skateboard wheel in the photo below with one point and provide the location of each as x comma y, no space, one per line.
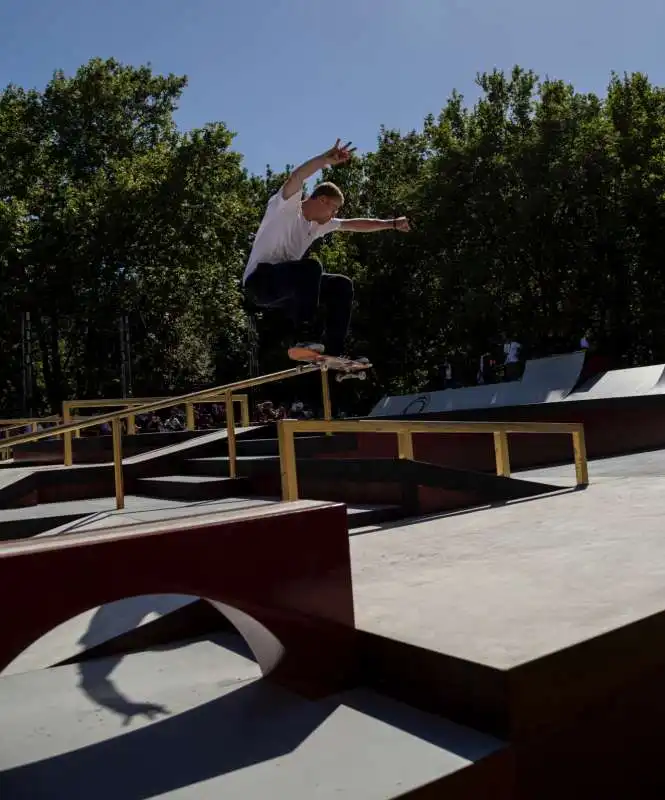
362,375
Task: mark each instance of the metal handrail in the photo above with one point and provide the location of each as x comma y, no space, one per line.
116,418
404,429
69,406
8,425
20,422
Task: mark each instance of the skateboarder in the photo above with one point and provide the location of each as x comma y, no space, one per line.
277,273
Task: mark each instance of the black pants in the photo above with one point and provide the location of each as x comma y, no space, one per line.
299,288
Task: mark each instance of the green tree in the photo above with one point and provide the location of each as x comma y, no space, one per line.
537,213
124,213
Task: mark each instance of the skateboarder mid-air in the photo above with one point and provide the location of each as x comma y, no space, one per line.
278,275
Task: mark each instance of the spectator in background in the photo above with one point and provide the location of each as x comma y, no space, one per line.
297,410
486,369
512,368
446,375
175,422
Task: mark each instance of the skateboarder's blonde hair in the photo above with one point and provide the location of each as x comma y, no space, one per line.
328,189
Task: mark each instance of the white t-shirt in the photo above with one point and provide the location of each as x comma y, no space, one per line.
284,234
512,351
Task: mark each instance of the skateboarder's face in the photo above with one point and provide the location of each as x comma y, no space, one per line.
324,208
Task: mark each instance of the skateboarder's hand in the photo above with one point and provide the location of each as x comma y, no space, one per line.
147,710
402,224
338,154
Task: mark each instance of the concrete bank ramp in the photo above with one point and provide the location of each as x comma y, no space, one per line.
545,380
632,382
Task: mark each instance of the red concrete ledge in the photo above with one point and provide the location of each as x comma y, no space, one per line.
281,575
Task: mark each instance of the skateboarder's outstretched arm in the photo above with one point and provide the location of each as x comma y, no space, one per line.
337,154
372,225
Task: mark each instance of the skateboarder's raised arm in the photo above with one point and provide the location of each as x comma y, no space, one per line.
337,154
372,225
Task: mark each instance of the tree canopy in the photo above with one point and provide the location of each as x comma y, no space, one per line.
536,210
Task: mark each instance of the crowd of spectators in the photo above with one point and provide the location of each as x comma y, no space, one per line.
267,411
211,416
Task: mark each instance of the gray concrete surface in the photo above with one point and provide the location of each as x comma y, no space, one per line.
648,464
498,586
195,722
101,512
504,585
90,506
12,474
630,382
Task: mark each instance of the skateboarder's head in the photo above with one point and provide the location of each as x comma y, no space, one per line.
324,203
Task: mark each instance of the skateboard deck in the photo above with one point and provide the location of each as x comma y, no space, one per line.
345,367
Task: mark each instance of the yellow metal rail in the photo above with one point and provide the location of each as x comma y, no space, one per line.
70,406
9,425
115,418
404,430
20,422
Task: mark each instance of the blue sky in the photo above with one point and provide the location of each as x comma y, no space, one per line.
289,76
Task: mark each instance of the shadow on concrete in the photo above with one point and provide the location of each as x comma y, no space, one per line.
95,682
119,616
248,725
383,527
95,674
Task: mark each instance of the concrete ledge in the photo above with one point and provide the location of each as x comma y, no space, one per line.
281,576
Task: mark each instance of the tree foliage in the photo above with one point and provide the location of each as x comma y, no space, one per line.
536,211
108,209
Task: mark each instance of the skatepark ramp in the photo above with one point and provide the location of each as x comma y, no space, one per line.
633,382
545,380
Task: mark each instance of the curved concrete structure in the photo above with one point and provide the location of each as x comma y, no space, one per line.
282,577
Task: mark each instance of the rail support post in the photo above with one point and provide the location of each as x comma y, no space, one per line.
116,425
501,453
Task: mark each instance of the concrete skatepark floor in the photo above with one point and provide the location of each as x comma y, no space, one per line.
501,586
498,586
100,513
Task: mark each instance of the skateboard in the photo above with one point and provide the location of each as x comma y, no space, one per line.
345,368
